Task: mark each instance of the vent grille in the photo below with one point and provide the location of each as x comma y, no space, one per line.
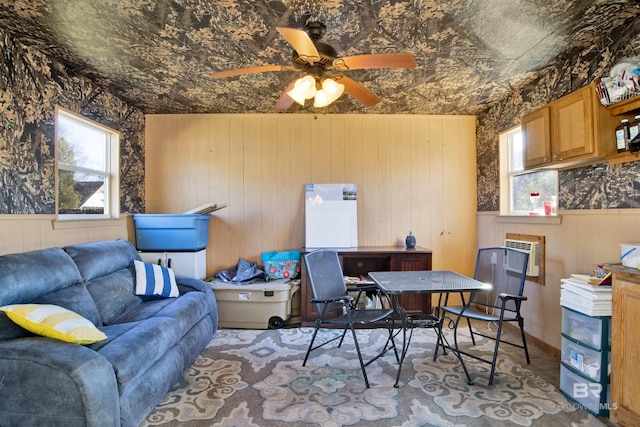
533,268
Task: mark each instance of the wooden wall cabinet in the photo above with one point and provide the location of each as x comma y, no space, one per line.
625,346
536,131
364,259
571,131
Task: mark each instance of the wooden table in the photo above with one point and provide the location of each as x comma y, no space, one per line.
397,283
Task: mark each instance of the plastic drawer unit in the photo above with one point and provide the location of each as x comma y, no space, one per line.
261,305
585,365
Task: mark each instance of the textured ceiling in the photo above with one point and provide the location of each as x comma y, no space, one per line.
159,54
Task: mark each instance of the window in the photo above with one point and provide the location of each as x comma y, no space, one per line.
87,168
518,187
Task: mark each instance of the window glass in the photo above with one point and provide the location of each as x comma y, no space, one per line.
527,190
84,176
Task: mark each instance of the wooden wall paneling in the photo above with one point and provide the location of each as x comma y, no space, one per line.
236,189
156,135
420,182
198,192
353,153
301,164
271,192
321,153
219,256
338,147
383,182
253,188
371,198
282,171
400,179
437,196
178,197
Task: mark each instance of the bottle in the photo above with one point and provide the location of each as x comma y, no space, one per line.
622,136
634,127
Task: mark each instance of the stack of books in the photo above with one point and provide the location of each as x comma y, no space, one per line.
587,294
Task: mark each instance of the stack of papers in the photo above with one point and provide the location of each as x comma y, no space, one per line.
578,294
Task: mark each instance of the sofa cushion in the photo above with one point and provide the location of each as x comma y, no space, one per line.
30,275
113,294
53,321
75,298
154,280
187,310
97,259
134,347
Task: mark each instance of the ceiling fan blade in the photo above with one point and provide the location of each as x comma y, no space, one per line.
359,92
380,60
285,101
301,42
250,70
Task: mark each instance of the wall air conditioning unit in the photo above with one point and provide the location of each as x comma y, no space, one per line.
533,267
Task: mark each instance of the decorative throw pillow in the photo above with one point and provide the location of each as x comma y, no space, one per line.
53,321
154,280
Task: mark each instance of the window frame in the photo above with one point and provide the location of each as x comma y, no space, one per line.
111,172
506,178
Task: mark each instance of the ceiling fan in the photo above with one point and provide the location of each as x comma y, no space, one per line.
323,80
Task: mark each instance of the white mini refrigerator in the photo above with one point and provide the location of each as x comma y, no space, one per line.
331,216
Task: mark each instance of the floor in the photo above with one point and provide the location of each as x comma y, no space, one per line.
542,364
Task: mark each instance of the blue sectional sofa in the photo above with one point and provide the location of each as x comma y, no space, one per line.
114,382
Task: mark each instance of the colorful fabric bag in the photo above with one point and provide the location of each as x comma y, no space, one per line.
281,265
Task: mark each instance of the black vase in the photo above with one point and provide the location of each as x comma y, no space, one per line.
410,241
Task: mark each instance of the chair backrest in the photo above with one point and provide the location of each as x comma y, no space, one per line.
325,276
506,270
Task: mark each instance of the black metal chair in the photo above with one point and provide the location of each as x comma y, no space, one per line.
336,307
505,269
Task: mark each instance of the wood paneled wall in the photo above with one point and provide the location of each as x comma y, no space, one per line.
414,173
22,233
584,239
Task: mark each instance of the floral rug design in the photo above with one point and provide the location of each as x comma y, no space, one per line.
256,378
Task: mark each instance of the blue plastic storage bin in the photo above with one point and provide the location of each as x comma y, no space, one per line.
171,232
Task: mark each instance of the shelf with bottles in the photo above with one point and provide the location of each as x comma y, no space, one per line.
627,142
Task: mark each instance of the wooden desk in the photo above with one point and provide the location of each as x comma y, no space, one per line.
360,261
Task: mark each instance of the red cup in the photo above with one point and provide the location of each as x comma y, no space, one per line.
547,208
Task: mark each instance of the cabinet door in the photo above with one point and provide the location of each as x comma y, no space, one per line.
413,303
625,352
537,138
572,125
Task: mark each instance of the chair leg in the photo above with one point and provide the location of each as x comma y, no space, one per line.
524,340
313,338
495,352
355,340
473,340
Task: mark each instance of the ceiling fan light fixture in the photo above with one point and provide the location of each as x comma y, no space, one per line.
331,90
304,88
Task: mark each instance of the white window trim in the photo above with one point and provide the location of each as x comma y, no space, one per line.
504,214
112,204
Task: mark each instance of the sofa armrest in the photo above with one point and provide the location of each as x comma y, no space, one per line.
48,382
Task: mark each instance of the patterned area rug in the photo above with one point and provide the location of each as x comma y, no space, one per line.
256,378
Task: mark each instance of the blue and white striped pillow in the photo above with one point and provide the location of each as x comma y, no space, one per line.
154,280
